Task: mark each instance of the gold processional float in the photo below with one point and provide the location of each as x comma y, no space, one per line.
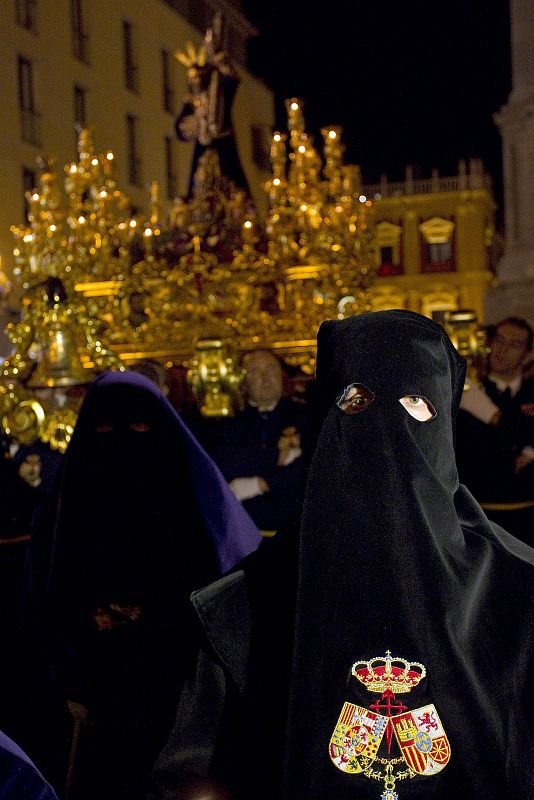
103,288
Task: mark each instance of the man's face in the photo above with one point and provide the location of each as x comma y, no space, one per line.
508,350
264,379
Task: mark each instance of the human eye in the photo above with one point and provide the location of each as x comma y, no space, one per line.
355,398
140,427
418,407
104,427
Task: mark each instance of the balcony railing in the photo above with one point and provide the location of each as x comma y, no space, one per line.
453,183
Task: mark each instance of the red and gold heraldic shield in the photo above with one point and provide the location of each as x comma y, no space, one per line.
356,738
422,740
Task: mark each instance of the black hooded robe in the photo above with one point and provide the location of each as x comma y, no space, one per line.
411,674
19,777
140,517
397,556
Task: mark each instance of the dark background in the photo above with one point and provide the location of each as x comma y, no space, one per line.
410,82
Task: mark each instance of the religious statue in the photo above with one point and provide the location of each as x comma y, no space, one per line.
205,117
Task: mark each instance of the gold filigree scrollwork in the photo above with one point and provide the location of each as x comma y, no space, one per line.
24,421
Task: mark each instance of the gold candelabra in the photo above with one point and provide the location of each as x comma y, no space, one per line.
102,287
59,340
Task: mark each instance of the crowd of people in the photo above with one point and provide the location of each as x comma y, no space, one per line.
186,606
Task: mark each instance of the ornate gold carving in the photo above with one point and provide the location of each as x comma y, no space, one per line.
199,282
437,230
469,339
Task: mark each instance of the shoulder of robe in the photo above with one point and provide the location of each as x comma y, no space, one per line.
224,611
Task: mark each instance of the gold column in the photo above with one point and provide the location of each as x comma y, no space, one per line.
411,242
477,248
463,235
470,248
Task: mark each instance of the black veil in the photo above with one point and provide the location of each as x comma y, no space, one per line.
398,561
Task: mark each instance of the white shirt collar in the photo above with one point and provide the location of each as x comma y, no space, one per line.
514,385
262,409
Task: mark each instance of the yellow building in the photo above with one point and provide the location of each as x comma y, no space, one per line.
432,239
111,65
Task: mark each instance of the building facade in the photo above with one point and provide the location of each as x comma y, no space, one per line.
66,64
433,240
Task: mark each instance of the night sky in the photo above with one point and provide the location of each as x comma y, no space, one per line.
410,82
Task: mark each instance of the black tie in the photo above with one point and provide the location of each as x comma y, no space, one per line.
506,395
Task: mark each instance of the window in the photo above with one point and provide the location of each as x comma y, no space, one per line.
388,263
437,246
170,170
80,107
80,39
26,14
168,93
386,255
134,161
260,151
388,238
28,114
439,252
130,67
438,256
28,184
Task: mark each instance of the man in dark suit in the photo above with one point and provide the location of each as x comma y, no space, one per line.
509,390
260,450
495,452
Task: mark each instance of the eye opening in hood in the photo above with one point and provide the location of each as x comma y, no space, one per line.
137,426
355,397
418,407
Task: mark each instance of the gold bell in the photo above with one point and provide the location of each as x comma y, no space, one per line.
59,363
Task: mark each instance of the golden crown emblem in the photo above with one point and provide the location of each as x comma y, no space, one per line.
388,673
